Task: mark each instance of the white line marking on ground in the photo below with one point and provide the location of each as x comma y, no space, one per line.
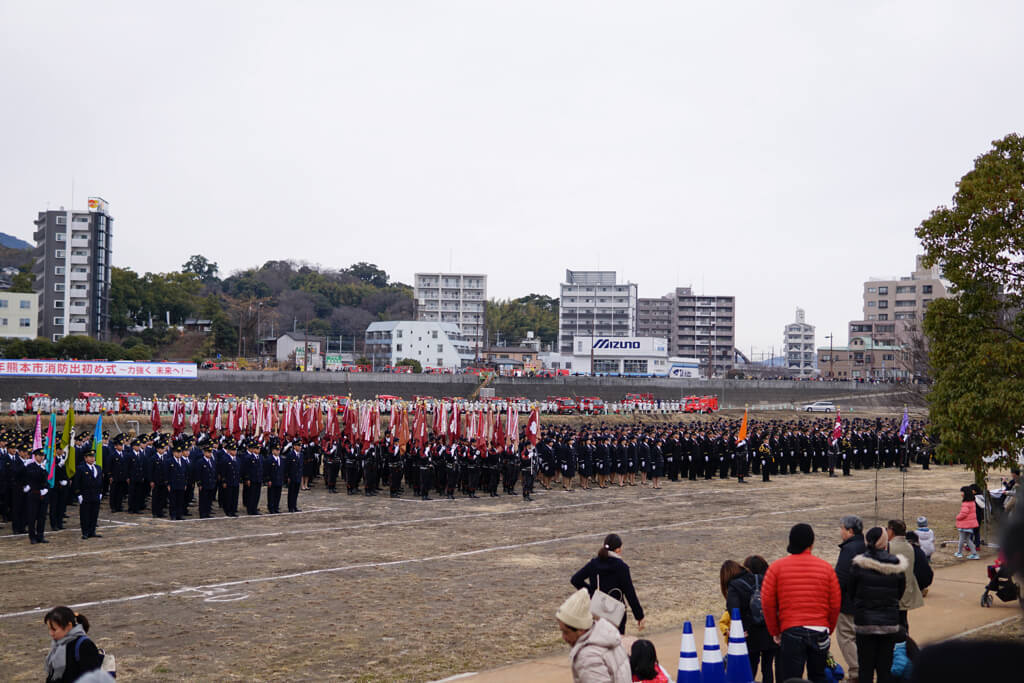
456,677
969,631
419,560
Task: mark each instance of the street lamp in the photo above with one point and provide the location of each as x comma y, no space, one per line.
831,355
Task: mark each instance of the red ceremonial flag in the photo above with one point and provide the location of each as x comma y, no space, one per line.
204,420
218,422
512,425
533,427
419,426
154,415
193,419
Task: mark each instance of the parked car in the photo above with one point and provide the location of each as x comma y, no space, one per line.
819,407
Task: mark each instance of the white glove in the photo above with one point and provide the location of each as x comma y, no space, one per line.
26,488
79,499
63,482
43,492
101,496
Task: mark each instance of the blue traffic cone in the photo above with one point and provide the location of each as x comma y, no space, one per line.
737,656
712,668
689,667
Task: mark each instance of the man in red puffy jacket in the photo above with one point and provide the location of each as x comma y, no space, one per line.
800,597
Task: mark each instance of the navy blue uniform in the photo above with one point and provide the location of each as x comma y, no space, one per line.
293,477
273,467
252,478
229,468
89,484
206,478
177,482
156,472
35,480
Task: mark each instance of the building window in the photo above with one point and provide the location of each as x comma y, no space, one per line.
58,287
631,366
883,316
62,220
24,303
883,304
883,290
926,289
440,362
3,322
440,348
872,290
398,333
59,236
3,303
22,322
58,270
58,321
57,337
58,253
871,304
58,303
906,289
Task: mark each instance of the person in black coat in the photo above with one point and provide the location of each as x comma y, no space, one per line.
72,653
851,529
273,471
156,473
206,479
89,484
229,470
177,482
36,489
59,494
610,574
252,477
877,582
738,583
293,476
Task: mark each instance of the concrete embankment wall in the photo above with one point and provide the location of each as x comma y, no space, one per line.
731,393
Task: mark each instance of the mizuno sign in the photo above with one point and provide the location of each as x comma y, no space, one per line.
615,344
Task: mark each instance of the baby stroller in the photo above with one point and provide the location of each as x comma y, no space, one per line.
1001,583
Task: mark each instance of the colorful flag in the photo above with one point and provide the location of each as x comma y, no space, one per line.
154,416
37,440
51,448
533,427
97,441
905,425
741,438
69,428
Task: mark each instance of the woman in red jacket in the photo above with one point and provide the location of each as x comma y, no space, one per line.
966,523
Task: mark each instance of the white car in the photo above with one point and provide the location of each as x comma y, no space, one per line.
819,407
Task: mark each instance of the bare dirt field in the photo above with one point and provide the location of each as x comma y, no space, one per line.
356,588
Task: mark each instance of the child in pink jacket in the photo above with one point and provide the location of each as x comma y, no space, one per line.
966,523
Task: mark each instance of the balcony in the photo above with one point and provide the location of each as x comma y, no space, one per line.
80,277
78,328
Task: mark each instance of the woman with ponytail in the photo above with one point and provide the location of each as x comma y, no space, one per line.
610,574
72,653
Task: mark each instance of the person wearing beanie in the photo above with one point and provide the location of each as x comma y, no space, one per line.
801,598
925,536
851,531
877,582
597,654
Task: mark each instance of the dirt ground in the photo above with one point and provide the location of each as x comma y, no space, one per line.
366,589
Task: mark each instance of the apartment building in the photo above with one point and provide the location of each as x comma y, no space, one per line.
19,315
654,317
72,271
593,303
457,298
798,345
904,298
704,327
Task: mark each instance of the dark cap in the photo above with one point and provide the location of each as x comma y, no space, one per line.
801,537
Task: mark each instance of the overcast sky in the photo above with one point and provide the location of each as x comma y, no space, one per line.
781,152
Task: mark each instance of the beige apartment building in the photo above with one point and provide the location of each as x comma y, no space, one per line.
863,359
904,298
18,315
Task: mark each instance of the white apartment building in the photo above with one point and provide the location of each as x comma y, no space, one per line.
457,298
433,344
592,303
798,345
18,315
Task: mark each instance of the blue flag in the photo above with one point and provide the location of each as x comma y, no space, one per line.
905,425
97,441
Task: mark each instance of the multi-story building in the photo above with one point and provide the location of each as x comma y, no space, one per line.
864,359
704,327
889,332
72,270
798,345
593,303
433,344
904,298
654,317
19,315
456,298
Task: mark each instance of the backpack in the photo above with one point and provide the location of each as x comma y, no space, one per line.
756,611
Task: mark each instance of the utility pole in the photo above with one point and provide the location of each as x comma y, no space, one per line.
831,355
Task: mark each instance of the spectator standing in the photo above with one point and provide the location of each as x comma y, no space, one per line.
922,567
610,574
801,600
597,654
967,524
925,536
72,653
851,532
896,530
738,586
877,582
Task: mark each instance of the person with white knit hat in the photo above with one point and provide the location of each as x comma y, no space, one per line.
597,654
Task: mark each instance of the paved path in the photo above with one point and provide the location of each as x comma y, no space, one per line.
952,608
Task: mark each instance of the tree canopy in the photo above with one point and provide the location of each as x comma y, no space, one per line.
977,337
509,320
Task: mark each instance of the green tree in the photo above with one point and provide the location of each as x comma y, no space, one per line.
977,337
24,281
201,267
368,273
417,368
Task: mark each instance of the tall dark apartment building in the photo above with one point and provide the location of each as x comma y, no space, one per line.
72,271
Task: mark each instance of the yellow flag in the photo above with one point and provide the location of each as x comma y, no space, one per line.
65,441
